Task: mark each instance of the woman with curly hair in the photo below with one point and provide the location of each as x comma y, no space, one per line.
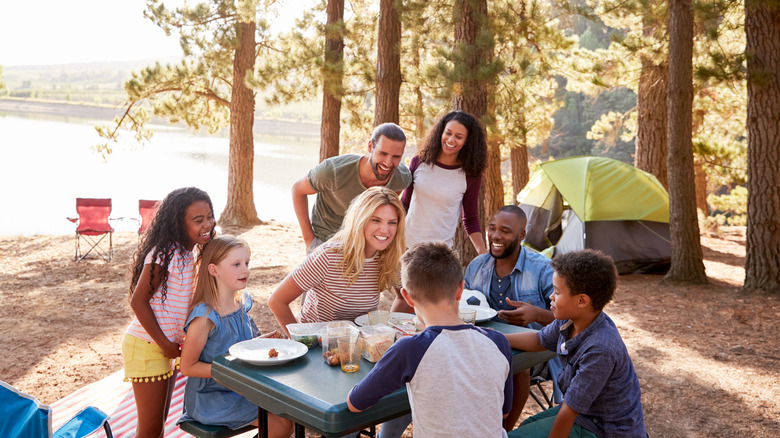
446,178
161,286
344,276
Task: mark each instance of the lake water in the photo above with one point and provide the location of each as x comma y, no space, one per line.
47,163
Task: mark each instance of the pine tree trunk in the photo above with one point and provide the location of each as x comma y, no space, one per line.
471,20
332,77
518,156
687,265
700,180
651,121
762,263
240,205
388,64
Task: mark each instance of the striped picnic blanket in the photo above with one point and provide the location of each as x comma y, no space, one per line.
115,397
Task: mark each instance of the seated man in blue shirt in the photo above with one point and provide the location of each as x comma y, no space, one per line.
457,375
517,284
602,397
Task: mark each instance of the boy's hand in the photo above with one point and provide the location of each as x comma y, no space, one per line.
522,315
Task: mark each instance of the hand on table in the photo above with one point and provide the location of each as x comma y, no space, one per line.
523,314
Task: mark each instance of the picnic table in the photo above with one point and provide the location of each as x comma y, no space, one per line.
313,394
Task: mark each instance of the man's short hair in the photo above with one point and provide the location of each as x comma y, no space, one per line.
517,211
588,272
431,272
389,130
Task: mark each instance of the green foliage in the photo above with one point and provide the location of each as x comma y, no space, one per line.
730,208
197,90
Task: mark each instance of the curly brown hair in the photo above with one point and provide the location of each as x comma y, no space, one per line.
588,272
166,233
474,152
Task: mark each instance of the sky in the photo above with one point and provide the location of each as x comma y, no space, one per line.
61,32
40,32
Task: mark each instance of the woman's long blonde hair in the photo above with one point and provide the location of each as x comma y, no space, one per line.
214,252
353,238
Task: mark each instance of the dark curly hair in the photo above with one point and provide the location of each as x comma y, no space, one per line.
166,233
474,152
588,272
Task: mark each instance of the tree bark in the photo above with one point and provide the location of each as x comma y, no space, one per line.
762,261
471,20
240,206
388,64
687,265
518,157
332,80
651,121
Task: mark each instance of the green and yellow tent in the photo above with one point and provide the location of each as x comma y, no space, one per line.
600,203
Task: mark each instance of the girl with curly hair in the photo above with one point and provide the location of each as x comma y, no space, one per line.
446,178
161,286
344,276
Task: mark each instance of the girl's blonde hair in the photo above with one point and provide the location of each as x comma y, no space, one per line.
214,252
353,238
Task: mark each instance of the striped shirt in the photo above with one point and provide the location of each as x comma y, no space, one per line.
172,312
329,298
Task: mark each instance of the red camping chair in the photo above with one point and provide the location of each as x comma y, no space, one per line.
93,222
146,209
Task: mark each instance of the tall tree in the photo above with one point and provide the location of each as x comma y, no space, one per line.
388,63
332,77
473,58
687,265
762,264
651,149
208,88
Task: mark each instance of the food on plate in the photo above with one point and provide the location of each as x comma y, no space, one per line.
273,353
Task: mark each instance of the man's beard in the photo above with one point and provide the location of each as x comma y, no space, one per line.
508,250
378,175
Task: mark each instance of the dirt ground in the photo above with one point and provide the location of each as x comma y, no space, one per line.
707,357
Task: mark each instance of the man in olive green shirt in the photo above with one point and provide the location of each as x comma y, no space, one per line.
338,180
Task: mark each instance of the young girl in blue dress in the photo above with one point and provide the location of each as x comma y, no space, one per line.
218,319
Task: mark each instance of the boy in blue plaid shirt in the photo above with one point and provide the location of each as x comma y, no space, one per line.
601,391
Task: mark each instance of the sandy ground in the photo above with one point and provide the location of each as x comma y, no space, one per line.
707,357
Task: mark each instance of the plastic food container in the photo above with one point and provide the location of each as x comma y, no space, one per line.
307,333
376,340
329,345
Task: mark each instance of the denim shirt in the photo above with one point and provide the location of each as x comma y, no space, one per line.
531,278
598,378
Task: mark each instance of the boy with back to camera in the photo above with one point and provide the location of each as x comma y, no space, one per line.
458,376
601,394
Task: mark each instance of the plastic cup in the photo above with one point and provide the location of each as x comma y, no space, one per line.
350,346
469,316
378,317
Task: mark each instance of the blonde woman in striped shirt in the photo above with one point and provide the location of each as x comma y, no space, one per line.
344,276
163,279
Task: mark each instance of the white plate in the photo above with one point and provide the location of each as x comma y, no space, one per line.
395,318
483,313
256,350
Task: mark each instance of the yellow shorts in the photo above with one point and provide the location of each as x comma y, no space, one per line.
145,361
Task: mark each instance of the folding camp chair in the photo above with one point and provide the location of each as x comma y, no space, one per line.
23,416
146,210
540,374
93,226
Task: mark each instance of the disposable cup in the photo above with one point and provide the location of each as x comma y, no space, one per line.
378,317
469,316
350,345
